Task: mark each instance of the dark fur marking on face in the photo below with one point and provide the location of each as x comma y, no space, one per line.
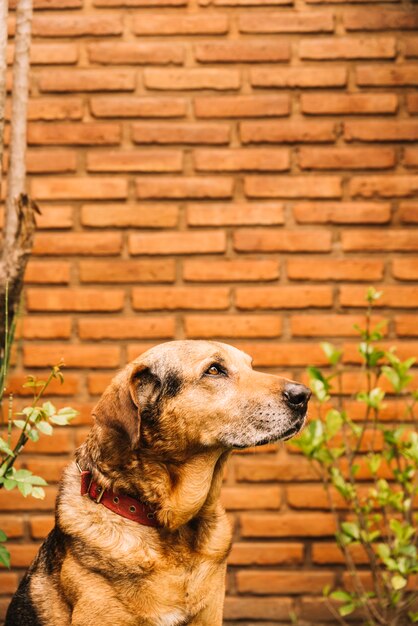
171,386
22,611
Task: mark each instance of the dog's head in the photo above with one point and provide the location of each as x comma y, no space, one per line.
185,395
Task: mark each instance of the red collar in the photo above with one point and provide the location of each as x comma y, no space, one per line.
122,505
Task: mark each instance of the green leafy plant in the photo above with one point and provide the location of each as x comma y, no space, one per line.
375,518
39,418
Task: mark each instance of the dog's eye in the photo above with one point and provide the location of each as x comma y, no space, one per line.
214,370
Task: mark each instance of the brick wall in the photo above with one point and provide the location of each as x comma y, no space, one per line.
230,169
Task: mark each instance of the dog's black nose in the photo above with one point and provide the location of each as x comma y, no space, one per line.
296,394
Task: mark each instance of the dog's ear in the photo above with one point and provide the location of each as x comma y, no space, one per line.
130,394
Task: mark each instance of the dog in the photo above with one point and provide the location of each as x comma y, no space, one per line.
141,538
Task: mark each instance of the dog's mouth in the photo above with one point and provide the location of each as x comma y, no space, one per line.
294,429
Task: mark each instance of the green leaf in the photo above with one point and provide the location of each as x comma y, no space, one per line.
3,536
19,424
5,556
372,295
341,596
9,484
24,488
398,582
45,428
5,448
48,409
346,609
22,475
69,412
33,435
331,352
351,530
334,422
38,493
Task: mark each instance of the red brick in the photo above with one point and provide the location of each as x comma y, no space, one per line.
284,355
192,78
69,387
242,106
377,76
135,53
299,77
292,187
378,19
41,525
230,270
287,132
247,498
75,188
274,582
348,48
47,109
8,582
296,22
82,356
408,212
125,216
102,244
203,242
50,469
126,328
342,213
76,299
399,130
405,269
135,161
346,158
325,553
97,383
23,554
410,157
49,54
40,272
181,133
47,161
184,187
46,327
210,24
349,104
244,3
235,214
411,47
127,271
269,240
233,160
242,52
257,608
258,553
153,299
406,325
385,240
83,134
335,269
287,525
138,107
393,296
283,297
209,326
13,501
384,187
139,3
12,525
327,325
284,468
87,80
76,25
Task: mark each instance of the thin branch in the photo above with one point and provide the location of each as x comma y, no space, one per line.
3,68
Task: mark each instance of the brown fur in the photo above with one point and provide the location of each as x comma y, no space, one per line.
163,431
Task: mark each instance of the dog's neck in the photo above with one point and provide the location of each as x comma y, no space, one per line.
177,492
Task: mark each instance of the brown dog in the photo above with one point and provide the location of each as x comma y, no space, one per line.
162,433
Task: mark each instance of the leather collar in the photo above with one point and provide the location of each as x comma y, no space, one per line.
123,505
